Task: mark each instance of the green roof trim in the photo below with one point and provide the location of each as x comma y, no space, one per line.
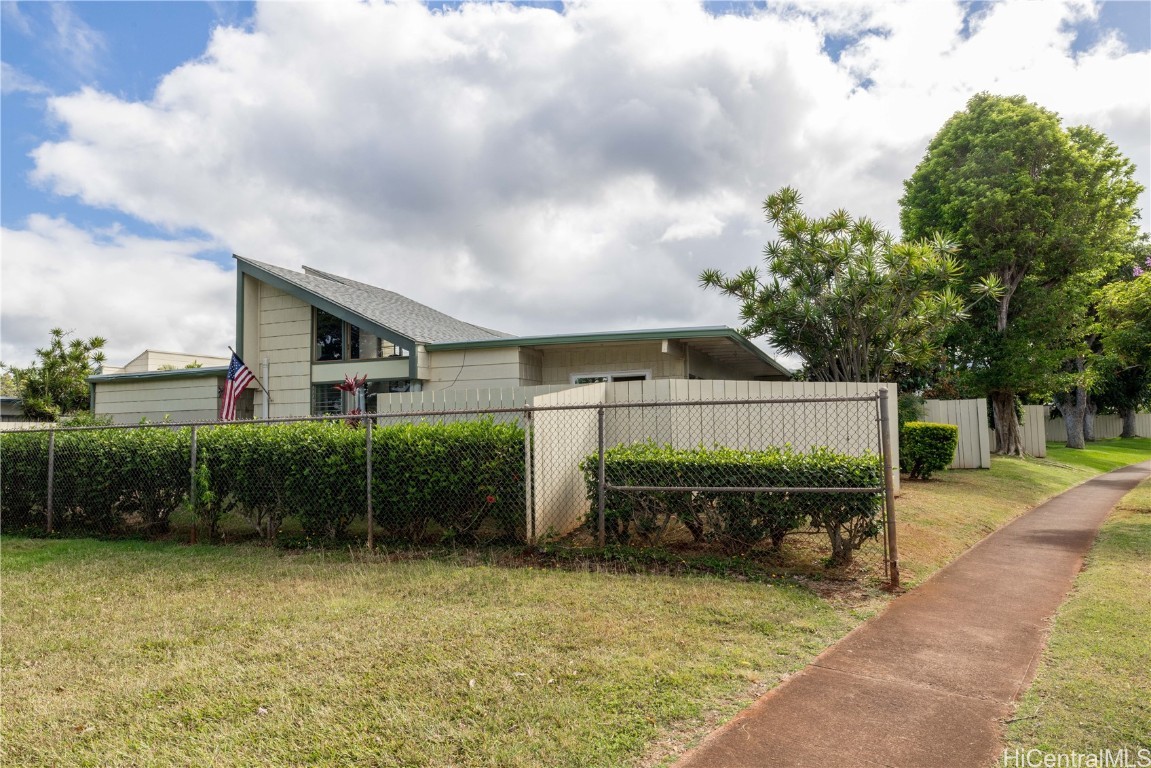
176,373
653,334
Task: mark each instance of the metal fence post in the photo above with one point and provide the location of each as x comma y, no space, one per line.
193,491
602,492
371,521
51,473
529,513
888,490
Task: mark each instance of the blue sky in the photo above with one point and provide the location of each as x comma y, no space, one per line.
524,168
123,48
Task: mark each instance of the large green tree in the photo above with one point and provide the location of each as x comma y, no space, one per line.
1124,310
844,295
1045,209
56,384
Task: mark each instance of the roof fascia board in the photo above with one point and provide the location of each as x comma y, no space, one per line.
583,338
320,302
176,373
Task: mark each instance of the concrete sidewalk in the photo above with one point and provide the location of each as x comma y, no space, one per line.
928,682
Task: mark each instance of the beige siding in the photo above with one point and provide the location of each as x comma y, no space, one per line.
531,367
559,363
284,337
474,368
373,369
179,399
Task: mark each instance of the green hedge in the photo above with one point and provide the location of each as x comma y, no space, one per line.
23,481
458,476
441,480
737,522
926,448
107,481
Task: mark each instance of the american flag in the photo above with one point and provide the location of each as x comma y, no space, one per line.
239,377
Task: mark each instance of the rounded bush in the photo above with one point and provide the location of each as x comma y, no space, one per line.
926,448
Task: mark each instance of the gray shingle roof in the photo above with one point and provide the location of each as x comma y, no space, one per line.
406,317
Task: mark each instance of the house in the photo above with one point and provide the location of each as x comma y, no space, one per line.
154,360
158,385
11,409
303,332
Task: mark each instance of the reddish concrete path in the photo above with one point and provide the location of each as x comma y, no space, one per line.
928,681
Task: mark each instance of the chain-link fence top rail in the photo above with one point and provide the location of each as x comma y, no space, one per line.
732,473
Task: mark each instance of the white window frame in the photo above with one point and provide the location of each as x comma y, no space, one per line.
610,375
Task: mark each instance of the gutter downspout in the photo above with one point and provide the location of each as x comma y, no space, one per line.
266,409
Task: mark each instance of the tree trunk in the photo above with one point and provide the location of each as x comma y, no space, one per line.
1089,421
1128,415
1073,405
1008,436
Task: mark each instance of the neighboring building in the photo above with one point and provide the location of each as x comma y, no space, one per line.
11,409
303,332
160,385
154,360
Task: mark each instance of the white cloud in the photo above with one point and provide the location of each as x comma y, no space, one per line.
12,15
75,41
137,292
12,80
542,172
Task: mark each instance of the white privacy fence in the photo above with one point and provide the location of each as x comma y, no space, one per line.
1107,426
977,438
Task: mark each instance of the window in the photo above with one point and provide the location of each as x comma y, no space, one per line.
610,377
337,340
329,336
326,400
363,345
329,401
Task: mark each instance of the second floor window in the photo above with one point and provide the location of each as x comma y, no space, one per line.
337,340
329,336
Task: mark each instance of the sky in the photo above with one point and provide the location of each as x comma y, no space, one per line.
536,168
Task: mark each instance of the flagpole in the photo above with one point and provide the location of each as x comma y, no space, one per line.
266,392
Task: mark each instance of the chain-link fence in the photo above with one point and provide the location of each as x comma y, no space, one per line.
731,476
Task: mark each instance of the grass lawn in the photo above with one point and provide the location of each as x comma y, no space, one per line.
144,654
160,654
1091,690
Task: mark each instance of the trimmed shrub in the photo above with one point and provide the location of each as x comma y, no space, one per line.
926,448
737,522
454,478
456,475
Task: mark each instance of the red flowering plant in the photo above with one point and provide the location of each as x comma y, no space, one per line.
353,385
